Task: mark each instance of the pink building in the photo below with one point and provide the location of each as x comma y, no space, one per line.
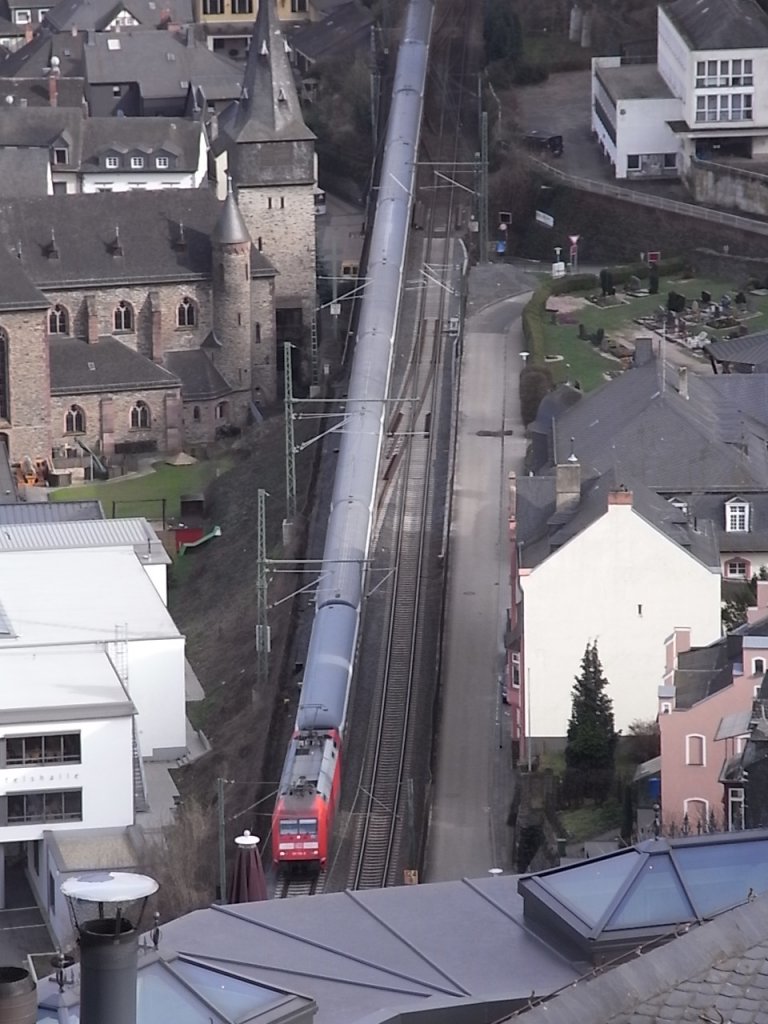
705,706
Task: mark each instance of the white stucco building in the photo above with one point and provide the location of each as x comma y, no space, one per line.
705,98
606,571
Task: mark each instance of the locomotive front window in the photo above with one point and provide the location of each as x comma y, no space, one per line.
308,826
289,827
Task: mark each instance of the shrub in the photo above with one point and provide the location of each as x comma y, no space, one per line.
530,74
535,383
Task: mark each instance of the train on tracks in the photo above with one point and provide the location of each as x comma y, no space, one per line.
310,782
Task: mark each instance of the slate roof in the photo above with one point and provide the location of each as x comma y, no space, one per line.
50,511
23,172
268,108
724,25
105,365
32,59
85,228
199,378
230,228
17,291
95,15
33,92
348,26
716,972
133,55
142,134
655,437
540,529
712,507
751,350
43,127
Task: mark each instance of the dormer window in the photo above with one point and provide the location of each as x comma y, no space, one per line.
137,162
737,516
111,163
679,504
161,162
60,155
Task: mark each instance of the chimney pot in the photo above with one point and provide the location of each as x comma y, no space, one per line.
18,996
620,497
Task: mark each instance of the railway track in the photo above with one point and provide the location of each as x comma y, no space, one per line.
288,886
384,840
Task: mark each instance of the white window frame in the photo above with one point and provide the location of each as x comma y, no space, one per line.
724,107
111,163
162,163
137,163
713,74
758,671
688,761
696,800
731,565
634,161
666,707
737,516
22,17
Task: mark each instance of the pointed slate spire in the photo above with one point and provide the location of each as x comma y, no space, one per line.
269,108
230,229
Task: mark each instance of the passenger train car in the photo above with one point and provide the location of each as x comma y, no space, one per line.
310,783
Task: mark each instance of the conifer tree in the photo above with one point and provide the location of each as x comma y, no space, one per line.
591,744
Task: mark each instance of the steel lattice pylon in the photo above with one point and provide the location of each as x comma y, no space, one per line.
262,583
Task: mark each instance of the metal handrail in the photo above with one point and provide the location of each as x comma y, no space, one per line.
604,188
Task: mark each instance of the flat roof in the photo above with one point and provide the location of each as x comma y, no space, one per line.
78,595
62,682
634,82
92,533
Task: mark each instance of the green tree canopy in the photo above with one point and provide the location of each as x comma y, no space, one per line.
591,742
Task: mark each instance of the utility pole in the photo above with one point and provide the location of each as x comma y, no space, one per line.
222,841
314,388
262,620
483,189
290,441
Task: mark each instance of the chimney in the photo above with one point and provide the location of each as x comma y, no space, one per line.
643,351
29,33
18,996
682,381
567,485
620,497
109,941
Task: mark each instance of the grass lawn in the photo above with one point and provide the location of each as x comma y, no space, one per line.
582,362
591,821
142,495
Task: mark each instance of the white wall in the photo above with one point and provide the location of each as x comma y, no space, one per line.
642,129
151,180
158,574
673,58
156,687
589,590
105,775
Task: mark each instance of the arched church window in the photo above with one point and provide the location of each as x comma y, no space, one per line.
74,421
123,318
141,418
58,320
186,314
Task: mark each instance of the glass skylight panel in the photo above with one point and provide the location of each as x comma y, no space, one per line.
655,899
589,888
720,875
162,998
235,997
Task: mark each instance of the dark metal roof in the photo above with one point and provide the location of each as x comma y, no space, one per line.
78,367
751,350
199,378
719,24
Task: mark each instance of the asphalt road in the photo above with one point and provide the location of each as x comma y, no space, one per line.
473,780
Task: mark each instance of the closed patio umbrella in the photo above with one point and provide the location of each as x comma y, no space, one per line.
248,882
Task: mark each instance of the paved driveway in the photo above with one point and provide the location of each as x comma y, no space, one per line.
22,929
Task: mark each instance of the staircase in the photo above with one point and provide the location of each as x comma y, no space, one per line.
140,803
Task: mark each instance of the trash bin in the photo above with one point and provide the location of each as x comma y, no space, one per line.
60,478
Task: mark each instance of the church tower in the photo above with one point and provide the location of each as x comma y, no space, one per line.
271,156
231,345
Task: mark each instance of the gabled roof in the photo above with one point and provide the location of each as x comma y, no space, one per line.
33,92
89,533
50,511
712,507
34,58
162,64
175,136
751,350
149,226
720,25
95,15
199,378
78,367
268,109
654,436
540,530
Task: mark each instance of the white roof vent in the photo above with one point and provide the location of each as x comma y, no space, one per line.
113,44
264,51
